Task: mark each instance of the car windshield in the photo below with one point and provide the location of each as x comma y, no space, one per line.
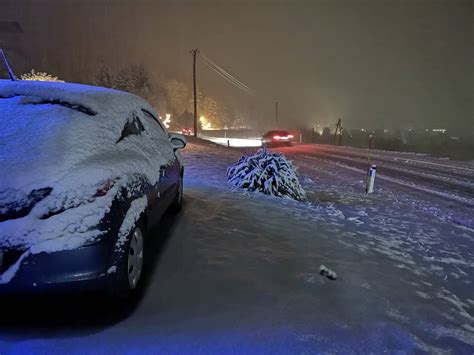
236,177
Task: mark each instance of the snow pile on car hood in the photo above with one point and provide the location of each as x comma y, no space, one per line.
64,137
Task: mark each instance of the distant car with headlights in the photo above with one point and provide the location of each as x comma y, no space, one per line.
277,138
187,131
86,173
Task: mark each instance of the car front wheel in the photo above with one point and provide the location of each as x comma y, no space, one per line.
130,268
135,258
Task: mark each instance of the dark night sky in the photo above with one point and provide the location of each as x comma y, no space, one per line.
372,62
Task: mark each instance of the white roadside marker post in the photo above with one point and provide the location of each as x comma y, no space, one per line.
371,179
369,168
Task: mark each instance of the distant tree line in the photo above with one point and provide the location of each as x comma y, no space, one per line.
167,95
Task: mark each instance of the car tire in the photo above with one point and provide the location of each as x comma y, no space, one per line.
177,203
131,265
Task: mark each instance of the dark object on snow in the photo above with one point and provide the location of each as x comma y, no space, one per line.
324,271
267,172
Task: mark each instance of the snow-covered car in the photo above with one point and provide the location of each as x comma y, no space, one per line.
277,137
86,172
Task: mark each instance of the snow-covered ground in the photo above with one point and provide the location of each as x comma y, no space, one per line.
236,142
239,272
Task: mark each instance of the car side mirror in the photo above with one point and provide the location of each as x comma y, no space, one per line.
178,141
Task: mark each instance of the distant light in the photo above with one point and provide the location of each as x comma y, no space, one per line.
442,130
167,120
204,122
290,136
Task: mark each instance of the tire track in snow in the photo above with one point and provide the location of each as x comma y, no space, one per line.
463,186
362,170
400,156
464,178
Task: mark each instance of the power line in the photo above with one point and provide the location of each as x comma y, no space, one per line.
226,75
224,71
229,80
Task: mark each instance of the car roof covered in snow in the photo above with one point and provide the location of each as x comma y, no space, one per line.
50,130
93,98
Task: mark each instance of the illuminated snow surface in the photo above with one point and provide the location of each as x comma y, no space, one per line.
236,142
240,272
64,137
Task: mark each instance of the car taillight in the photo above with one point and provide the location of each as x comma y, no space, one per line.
104,188
290,136
276,137
21,205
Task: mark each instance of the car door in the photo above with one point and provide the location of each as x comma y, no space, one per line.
161,138
134,126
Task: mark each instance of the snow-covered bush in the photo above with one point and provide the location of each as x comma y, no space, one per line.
267,172
39,76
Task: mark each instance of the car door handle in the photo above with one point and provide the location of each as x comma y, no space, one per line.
163,171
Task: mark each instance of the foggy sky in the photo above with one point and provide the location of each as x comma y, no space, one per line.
372,63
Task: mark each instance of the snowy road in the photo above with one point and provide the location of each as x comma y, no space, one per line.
449,179
238,273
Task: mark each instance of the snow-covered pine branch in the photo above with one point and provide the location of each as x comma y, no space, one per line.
267,172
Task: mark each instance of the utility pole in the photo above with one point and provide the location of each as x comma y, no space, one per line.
276,113
194,52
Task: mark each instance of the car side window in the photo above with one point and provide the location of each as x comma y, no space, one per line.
133,127
157,122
